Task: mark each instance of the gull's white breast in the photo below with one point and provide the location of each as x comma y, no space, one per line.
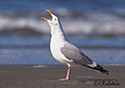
55,47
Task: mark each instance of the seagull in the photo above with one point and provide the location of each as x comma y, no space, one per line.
67,53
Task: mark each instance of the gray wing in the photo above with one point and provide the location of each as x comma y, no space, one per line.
71,52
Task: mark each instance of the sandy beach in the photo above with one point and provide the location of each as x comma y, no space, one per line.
40,76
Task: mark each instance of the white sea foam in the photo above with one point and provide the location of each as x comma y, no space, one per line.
94,23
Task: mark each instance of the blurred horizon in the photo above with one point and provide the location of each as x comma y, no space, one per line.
84,16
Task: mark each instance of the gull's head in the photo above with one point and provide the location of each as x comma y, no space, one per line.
52,22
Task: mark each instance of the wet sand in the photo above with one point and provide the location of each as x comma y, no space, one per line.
30,76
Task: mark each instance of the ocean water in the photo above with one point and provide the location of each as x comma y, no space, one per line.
95,26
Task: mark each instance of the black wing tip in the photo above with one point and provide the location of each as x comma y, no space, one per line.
101,69
105,71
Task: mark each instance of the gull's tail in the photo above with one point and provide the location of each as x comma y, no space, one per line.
101,69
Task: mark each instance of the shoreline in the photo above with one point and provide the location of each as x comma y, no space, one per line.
46,76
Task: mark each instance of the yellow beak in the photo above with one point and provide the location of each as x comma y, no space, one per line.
46,18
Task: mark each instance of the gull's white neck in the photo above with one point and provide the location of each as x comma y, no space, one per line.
57,33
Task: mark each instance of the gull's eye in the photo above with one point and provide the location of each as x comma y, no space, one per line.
55,19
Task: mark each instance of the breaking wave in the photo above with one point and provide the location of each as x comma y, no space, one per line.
73,22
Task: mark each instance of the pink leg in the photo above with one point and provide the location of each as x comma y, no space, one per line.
68,75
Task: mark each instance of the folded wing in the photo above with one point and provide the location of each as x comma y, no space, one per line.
71,52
